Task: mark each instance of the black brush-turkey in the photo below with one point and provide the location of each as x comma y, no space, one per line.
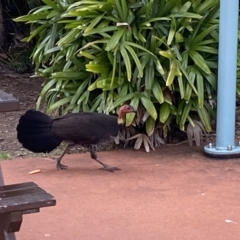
38,132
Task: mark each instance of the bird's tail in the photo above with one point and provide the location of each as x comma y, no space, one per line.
34,131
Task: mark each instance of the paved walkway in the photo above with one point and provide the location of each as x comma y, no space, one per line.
174,193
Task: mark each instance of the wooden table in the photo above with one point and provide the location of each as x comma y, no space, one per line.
17,200
7,103
21,198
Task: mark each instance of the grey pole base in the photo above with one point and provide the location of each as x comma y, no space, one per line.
222,153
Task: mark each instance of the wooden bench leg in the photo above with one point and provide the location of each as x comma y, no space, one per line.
4,235
12,222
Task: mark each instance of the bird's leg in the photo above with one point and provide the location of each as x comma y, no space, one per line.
59,165
92,150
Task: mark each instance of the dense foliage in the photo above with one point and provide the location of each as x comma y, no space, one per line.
15,54
158,55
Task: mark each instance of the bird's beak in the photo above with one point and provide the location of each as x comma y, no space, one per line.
133,110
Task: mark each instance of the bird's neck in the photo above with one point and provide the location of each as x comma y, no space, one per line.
120,117
120,120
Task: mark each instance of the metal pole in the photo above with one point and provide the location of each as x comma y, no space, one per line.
226,95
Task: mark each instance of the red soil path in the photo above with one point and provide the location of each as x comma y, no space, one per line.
174,193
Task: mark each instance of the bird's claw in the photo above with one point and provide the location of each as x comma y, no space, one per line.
61,166
109,169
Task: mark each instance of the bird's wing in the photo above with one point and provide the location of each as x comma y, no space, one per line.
85,128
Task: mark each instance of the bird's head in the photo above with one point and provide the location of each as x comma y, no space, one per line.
124,110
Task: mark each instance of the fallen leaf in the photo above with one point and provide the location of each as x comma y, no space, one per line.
35,171
230,221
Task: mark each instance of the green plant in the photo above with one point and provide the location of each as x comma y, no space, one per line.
159,55
17,59
4,156
15,54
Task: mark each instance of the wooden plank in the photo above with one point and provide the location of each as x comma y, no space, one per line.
24,196
17,186
8,102
21,192
12,105
22,203
3,234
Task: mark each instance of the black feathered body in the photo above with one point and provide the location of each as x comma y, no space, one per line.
86,127
39,133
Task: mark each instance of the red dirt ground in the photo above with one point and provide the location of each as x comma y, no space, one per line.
173,193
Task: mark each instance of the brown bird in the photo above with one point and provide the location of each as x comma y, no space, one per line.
38,132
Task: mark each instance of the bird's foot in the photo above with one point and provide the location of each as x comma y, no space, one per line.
61,166
109,169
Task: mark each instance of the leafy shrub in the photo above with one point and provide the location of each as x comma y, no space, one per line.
159,55
14,53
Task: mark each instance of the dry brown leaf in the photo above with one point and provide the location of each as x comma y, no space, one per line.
34,171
